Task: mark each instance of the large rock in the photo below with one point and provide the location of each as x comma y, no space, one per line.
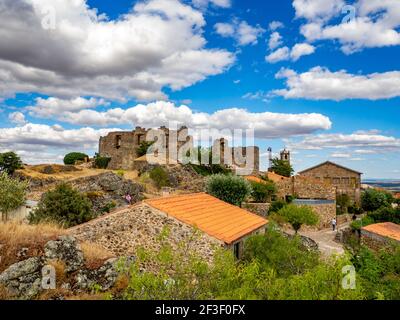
67,250
23,279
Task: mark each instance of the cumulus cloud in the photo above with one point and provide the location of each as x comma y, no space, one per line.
275,41
322,84
294,54
275,25
217,3
241,31
42,143
158,44
367,24
266,124
17,118
361,143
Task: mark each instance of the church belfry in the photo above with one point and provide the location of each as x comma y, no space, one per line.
285,155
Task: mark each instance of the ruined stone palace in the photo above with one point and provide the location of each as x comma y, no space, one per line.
170,146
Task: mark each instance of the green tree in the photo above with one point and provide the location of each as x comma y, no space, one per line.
229,188
296,216
282,167
386,214
372,199
63,205
12,194
9,162
343,201
276,206
212,166
262,191
73,157
143,148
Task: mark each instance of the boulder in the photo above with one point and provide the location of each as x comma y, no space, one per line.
67,250
23,279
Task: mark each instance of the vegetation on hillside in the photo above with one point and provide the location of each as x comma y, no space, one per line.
9,162
229,188
63,205
297,216
205,163
12,194
143,148
73,157
160,177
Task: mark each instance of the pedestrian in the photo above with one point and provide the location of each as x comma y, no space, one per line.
128,198
334,224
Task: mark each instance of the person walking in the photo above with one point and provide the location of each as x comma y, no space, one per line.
128,198
334,224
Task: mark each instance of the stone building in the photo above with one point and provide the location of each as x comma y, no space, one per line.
345,180
377,236
220,225
169,147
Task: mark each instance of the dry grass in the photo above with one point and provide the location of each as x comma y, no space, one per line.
4,295
15,236
95,255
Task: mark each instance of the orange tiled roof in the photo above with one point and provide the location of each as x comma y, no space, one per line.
217,218
386,229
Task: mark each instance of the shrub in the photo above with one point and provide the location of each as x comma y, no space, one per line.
143,148
12,194
358,224
120,173
372,199
101,162
262,192
343,201
282,167
63,205
160,177
73,157
276,206
296,216
9,162
354,209
231,189
386,214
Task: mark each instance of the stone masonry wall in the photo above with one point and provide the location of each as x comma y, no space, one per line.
125,231
374,241
325,212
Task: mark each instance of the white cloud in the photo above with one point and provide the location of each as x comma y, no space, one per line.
275,41
241,31
375,23
266,124
340,155
17,118
218,3
321,84
294,54
363,143
275,25
280,54
158,44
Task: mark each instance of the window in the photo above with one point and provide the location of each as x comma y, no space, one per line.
118,142
346,181
336,181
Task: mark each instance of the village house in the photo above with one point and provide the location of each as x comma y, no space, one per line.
377,236
345,180
220,224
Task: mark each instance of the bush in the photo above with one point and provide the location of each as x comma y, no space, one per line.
296,216
160,177
276,206
9,162
63,205
358,224
232,189
143,148
343,201
120,173
354,209
386,214
12,194
101,162
282,167
73,157
262,192
372,199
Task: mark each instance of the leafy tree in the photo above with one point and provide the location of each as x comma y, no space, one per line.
228,188
372,199
12,194
73,157
386,214
9,162
160,177
262,192
282,167
206,169
63,205
101,162
296,216
143,148
343,201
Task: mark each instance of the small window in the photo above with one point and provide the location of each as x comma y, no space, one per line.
336,181
236,250
346,181
118,142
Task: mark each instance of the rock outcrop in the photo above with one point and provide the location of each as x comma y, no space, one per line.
65,249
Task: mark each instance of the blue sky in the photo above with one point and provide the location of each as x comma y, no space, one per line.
319,77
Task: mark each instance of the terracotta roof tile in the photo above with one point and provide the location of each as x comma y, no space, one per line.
387,229
218,219
254,179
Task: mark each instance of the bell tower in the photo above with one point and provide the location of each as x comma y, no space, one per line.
285,156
